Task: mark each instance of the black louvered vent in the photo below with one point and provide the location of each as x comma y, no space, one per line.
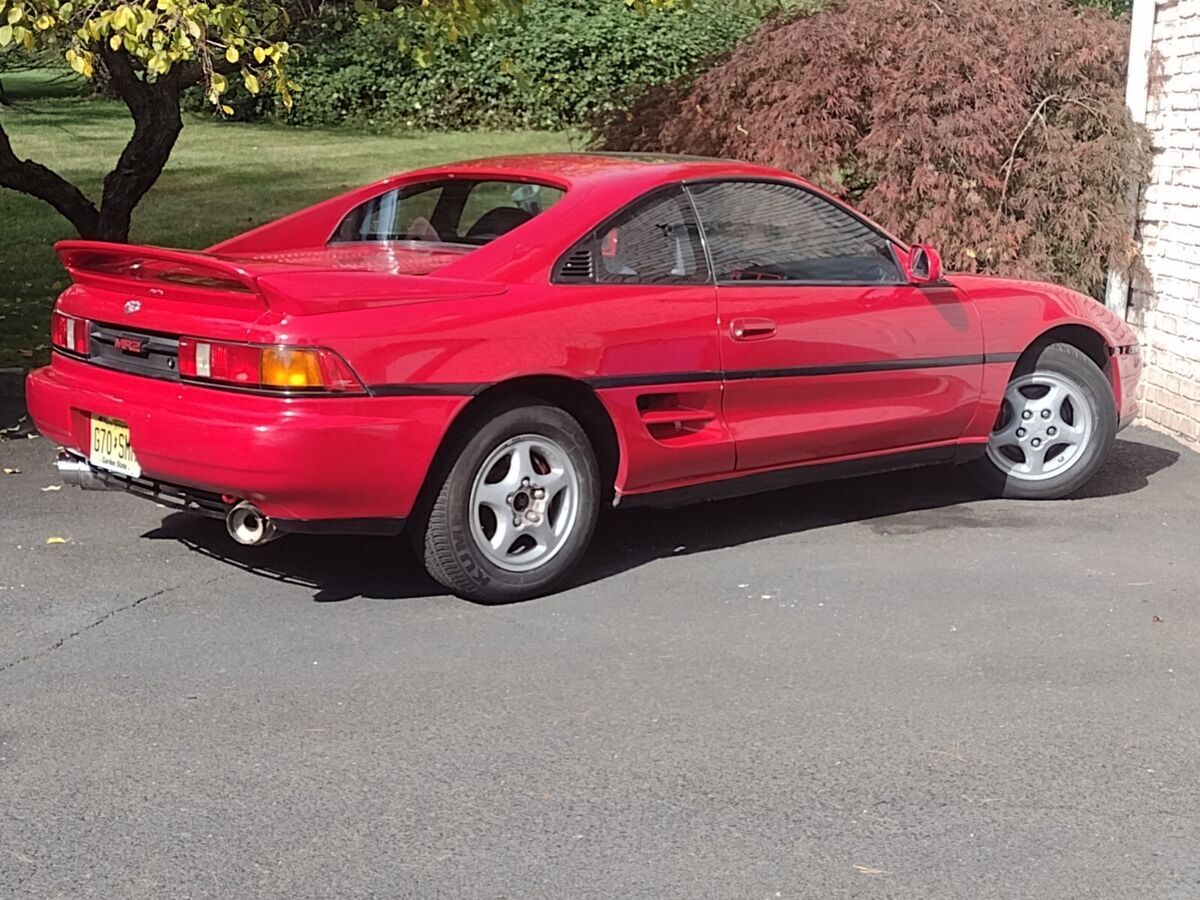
577,266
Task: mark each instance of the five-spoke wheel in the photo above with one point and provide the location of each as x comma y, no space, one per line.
516,507
525,502
1044,427
1055,426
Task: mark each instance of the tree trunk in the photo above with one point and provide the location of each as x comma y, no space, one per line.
156,126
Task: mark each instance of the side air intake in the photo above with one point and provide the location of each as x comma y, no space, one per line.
577,267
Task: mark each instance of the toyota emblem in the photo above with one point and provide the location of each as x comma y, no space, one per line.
132,306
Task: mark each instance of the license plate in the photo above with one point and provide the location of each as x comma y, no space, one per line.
110,448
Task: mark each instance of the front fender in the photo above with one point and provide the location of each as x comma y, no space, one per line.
1019,315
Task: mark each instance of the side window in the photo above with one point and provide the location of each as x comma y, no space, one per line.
759,231
656,241
398,215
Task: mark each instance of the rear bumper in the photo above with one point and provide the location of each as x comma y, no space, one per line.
78,472
303,459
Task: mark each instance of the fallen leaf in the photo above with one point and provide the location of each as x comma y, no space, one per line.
872,871
56,540
51,487
12,471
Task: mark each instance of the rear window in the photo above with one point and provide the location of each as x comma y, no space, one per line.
462,211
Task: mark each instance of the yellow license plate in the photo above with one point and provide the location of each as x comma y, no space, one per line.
110,448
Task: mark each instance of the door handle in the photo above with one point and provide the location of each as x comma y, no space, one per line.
751,329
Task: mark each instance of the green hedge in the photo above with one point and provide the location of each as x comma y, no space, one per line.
554,66
557,65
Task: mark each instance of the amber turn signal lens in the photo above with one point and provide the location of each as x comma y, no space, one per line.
291,368
256,366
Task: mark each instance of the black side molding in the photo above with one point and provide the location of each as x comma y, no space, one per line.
464,389
600,382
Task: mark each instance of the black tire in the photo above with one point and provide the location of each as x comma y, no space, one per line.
1073,366
443,537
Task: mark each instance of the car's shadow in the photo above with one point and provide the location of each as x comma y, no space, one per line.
13,420
342,567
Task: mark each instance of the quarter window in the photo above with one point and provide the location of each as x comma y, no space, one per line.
764,231
656,241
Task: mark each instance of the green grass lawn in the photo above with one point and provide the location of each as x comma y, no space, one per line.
223,178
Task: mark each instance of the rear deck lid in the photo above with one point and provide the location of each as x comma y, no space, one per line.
187,292
151,290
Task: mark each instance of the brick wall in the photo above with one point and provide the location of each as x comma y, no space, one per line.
1165,302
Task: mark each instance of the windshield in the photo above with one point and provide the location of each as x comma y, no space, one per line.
462,211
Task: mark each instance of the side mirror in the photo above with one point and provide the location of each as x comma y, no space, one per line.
924,264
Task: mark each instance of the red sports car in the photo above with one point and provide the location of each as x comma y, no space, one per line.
489,351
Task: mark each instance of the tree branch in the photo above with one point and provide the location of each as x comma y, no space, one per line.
38,181
1038,113
195,72
1007,168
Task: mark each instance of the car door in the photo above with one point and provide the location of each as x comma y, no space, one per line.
641,293
826,350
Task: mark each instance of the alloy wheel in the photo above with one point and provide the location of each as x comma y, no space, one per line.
1043,429
524,503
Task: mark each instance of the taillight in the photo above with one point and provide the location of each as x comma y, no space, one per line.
273,367
69,333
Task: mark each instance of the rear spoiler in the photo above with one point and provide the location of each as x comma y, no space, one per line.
117,265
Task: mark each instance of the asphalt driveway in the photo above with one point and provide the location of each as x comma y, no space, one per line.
886,687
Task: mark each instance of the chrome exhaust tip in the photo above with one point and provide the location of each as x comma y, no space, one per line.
247,525
78,472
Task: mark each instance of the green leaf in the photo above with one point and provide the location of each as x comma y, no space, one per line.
6,35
